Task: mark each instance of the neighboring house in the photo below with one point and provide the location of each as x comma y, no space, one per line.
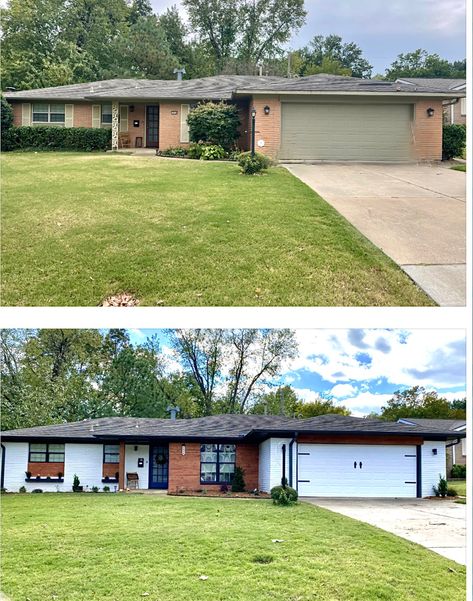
456,449
326,456
454,109
320,117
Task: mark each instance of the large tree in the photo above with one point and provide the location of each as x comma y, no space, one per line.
420,63
229,366
422,403
285,401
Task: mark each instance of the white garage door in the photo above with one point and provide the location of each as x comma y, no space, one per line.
344,470
346,132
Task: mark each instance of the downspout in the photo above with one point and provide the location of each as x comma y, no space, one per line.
291,445
2,477
283,477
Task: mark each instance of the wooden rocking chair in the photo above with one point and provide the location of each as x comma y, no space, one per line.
124,141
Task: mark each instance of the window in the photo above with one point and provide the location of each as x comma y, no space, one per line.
46,453
463,106
106,114
111,453
464,447
217,463
49,113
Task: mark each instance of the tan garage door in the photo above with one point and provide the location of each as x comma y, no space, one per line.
346,132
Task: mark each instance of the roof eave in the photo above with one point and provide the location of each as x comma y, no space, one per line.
347,93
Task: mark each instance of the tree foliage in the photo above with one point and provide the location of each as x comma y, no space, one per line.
6,115
331,55
284,401
420,63
422,403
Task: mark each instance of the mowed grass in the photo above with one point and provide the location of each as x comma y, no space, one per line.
80,227
123,547
459,486
459,168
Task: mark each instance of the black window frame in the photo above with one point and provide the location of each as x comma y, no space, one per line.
46,453
105,453
217,462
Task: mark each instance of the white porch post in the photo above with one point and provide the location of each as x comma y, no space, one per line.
114,124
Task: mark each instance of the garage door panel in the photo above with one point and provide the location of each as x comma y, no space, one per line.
368,132
329,470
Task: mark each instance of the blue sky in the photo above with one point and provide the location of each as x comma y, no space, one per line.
384,29
361,369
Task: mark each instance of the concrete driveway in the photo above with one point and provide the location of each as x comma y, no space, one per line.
438,525
416,214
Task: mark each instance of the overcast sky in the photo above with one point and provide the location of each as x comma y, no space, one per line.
362,369
384,29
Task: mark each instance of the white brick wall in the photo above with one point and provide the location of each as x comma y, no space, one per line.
264,465
432,465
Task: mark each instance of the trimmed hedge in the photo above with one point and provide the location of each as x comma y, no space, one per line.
214,123
56,138
458,471
283,495
453,141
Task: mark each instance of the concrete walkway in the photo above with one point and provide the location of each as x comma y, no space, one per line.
416,214
437,524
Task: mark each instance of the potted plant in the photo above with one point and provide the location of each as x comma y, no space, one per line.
60,475
76,487
28,475
48,477
107,478
38,477
117,476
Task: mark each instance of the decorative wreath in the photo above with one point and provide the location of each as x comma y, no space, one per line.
161,459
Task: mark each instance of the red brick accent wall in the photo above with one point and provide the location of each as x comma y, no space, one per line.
45,469
110,469
358,439
428,130
170,125
268,127
138,114
184,470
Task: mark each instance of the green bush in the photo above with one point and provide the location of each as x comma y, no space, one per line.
173,151
7,115
458,471
442,487
451,492
95,489
283,495
214,123
253,164
212,152
453,141
22,489
56,138
195,150
106,489
238,482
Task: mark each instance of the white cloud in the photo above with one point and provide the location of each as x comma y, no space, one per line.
341,391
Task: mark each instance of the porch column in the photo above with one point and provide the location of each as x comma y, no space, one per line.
114,124
121,467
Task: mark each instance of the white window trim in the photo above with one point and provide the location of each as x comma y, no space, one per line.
463,107
102,122
463,446
49,114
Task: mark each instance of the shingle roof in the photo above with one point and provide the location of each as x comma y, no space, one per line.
443,84
442,425
216,426
221,87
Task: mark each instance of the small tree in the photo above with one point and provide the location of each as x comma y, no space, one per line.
238,483
214,123
7,115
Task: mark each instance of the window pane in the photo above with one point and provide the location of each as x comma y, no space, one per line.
226,472
40,117
40,108
106,113
56,447
208,472
57,117
38,446
56,457
35,457
56,108
111,458
112,448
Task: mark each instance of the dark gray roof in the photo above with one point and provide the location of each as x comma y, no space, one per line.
221,87
216,426
443,425
445,84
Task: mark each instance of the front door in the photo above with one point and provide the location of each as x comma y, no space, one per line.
152,126
159,466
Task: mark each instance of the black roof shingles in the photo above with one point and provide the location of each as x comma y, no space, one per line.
228,426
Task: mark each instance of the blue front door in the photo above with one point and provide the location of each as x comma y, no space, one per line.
159,466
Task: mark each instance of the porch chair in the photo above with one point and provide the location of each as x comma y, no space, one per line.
124,141
132,481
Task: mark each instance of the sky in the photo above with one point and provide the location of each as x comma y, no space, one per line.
361,369
383,29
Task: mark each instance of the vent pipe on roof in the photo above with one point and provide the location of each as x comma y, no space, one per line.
179,73
173,411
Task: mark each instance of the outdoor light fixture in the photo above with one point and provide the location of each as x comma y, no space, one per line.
434,451
430,112
266,110
132,108
183,448
253,113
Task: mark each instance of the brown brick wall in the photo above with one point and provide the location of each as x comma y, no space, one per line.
268,127
358,439
110,469
45,469
170,125
458,118
16,106
138,114
428,130
184,470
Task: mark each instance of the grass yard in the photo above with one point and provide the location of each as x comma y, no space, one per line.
80,227
461,167
459,486
115,548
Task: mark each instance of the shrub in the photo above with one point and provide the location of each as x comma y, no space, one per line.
95,489
7,116
453,141
458,471
37,490
224,488
442,487
22,489
195,150
212,152
238,482
173,151
253,164
106,489
214,123
75,482
451,492
283,495
56,138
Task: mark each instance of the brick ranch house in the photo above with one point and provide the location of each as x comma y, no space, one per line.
321,117
329,455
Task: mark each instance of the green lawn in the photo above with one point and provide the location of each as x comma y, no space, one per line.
79,227
461,167
459,486
116,547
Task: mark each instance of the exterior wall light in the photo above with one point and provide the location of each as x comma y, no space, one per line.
183,448
132,108
267,110
430,112
434,451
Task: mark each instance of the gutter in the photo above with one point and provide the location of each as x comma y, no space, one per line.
453,443
339,93
2,477
291,444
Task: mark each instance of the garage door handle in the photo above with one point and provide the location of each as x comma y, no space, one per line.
361,464
354,465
